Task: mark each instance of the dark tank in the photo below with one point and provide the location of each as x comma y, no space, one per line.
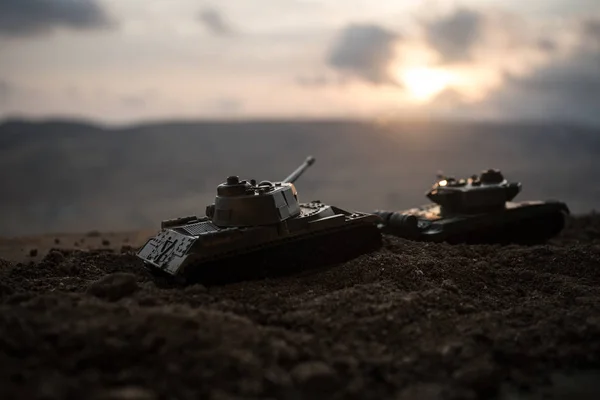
256,230
477,210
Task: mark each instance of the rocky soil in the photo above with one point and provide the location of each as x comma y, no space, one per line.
409,321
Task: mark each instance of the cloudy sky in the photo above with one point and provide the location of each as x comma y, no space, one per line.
122,61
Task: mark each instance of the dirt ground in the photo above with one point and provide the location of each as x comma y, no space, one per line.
409,321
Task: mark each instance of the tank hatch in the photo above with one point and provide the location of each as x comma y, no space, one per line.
479,193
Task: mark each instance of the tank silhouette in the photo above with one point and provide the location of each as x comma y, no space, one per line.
477,210
249,218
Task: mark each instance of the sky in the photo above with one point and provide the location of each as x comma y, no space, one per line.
126,61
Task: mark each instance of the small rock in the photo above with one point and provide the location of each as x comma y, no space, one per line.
33,252
148,285
105,242
54,257
76,244
126,393
126,249
465,308
114,286
195,288
276,379
451,350
422,391
56,241
449,285
316,379
479,374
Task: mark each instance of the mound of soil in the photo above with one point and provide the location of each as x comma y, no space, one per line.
408,321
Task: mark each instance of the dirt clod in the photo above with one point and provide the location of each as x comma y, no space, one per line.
315,378
114,286
54,257
127,249
125,393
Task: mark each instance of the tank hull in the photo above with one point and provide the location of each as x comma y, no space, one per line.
197,249
528,222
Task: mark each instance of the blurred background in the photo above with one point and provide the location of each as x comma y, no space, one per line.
116,114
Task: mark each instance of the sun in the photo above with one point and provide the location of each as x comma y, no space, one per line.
424,83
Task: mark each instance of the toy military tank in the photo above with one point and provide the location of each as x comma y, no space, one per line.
255,230
477,210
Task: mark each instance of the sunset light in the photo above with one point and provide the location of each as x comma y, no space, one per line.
122,62
424,83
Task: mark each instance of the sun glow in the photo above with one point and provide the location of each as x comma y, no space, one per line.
424,83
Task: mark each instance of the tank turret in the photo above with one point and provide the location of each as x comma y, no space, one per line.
245,203
480,193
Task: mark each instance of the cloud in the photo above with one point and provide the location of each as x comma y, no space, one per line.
133,101
24,18
313,81
319,80
365,51
454,36
448,97
591,30
547,45
214,22
565,88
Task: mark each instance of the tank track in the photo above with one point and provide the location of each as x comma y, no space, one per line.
530,231
283,257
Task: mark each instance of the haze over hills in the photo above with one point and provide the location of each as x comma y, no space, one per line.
62,176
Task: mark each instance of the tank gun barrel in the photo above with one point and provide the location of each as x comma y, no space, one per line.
300,170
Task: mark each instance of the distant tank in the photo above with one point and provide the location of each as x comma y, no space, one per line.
258,226
477,210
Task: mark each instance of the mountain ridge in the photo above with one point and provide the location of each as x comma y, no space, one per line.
59,176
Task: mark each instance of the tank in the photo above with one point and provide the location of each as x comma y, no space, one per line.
256,230
479,209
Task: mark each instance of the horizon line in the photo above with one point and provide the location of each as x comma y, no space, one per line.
67,119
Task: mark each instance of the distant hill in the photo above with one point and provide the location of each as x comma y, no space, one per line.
74,176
